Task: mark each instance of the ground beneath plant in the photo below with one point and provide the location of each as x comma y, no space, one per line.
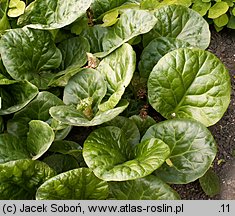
223,46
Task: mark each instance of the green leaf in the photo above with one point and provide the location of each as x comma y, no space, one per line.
39,139
87,85
185,3
233,11
186,25
62,78
118,69
61,163
29,55
99,7
221,21
95,35
38,109
155,50
149,4
143,123
192,146
53,14
130,24
12,148
201,7
16,8
210,183
66,147
20,179
147,188
4,23
15,95
190,83
218,9
231,23
110,19
69,115
74,52
1,125
108,154
77,184
128,127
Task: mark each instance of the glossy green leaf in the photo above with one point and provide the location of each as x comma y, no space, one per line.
74,52
108,154
218,9
77,184
192,146
38,109
190,83
15,95
186,25
61,163
20,179
12,148
147,188
155,50
16,8
99,7
95,35
142,123
210,183
85,91
39,139
53,14
130,24
128,127
201,7
30,54
118,69
69,115
221,20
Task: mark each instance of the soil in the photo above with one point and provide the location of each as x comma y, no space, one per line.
223,46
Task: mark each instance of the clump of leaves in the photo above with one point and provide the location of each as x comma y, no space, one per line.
79,64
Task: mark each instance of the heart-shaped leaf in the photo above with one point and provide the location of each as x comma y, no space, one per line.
193,149
77,184
110,156
190,83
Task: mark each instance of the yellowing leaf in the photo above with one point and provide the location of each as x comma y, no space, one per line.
218,9
110,18
17,8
